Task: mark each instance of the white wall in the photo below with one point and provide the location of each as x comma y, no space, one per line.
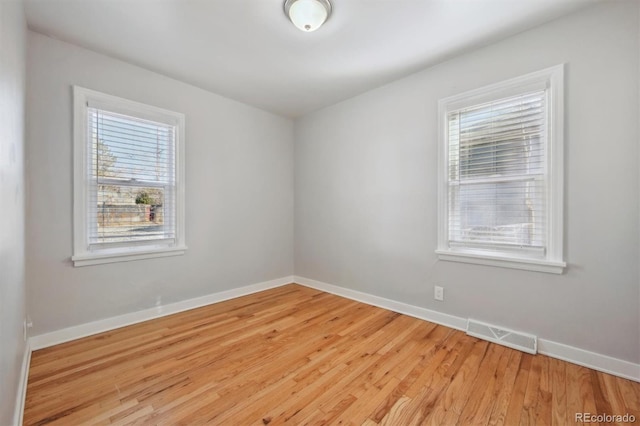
239,191
12,189
365,189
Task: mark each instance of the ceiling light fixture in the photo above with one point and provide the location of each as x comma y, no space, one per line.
307,15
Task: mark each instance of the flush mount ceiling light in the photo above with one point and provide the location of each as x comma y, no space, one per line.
307,15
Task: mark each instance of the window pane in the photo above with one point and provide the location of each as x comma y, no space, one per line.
498,213
130,213
500,138
130,149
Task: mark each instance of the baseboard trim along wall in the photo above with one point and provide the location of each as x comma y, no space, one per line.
83,330
604,363
392,305
21,395
596,361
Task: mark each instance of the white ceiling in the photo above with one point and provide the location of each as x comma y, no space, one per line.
248,50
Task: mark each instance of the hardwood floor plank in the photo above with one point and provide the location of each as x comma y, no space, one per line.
396,415
579,392
630,393
367,401
610,393
504,389
527,416
558,393
431,346
478,407
294,355
542,410
428,397
513,411
448,406
602,402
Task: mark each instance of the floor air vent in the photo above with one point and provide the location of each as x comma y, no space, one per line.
513,339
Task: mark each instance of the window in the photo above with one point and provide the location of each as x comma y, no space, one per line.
128,180
500,183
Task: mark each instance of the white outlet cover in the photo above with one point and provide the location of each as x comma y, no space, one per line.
438,293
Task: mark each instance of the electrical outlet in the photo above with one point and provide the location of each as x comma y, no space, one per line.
438,293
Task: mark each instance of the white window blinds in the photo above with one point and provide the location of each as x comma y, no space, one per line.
131,180
497,174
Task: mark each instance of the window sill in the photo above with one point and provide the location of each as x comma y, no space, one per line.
547,266
88,259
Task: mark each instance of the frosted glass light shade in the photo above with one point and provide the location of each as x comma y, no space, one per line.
307,15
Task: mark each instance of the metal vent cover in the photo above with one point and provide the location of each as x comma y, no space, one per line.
502,336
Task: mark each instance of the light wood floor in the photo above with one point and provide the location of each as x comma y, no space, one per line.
297,355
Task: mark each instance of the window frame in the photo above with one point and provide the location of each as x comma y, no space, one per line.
83,255
552,261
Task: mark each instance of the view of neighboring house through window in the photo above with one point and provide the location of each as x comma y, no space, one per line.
128,192
134,177
501,190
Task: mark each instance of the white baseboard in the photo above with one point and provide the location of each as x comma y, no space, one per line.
596,361
604,363
21,395
381,302
107,324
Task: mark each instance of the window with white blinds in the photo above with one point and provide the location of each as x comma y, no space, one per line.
132,179
497,172
128,187
499,192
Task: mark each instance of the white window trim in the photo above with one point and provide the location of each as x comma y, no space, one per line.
82,256
553,79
